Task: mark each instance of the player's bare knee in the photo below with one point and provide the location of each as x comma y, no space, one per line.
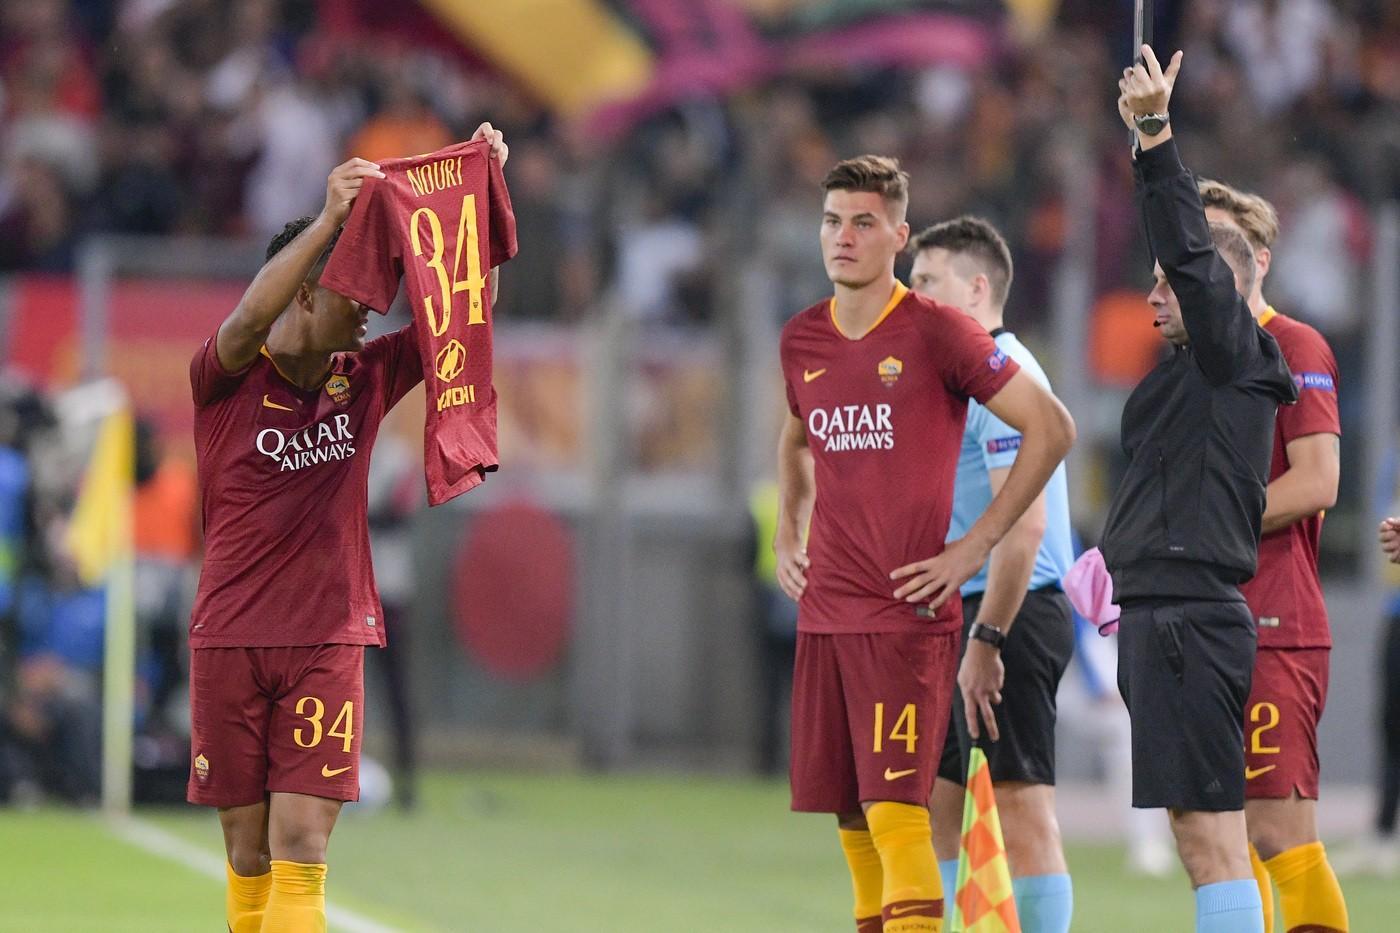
1275,826
1211,846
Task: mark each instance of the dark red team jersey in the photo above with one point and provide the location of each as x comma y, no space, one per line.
283,475
1286,593
884,417
441,221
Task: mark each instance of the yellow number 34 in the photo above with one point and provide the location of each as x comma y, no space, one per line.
343,728
474,284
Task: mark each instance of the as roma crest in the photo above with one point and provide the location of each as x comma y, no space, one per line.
889,369
338,388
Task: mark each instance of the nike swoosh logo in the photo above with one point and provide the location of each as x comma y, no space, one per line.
327,772
902,909
896,775
269,403
808,375
1252,773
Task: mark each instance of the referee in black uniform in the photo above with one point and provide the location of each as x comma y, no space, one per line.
1183,528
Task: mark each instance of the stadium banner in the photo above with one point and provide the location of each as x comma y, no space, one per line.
615,62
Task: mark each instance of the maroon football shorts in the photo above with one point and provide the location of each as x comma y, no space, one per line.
1280,722
869,714
284,720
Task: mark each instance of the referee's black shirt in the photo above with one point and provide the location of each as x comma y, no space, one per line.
1199,429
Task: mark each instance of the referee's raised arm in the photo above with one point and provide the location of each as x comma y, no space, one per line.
1215,314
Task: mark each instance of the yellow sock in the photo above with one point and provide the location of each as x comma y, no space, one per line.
297,903
245,899
912,893
867,878
1266,887
1308,890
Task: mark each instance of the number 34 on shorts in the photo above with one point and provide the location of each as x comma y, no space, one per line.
313,710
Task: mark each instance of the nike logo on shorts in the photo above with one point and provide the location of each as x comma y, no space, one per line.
1252,773
326,771
891,775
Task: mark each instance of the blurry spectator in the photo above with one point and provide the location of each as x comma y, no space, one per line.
403,125
1318,254
165,521
37,223
1285,46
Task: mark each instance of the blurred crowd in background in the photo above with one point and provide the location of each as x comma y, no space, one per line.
223,117
214,117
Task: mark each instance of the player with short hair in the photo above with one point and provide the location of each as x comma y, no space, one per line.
1018,629
878,379
1289,687
288,401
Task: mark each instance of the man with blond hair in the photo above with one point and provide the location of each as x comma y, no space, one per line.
1289,687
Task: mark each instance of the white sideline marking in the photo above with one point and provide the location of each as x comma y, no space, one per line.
158,842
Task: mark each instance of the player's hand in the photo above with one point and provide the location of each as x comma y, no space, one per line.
1145,88
499,150
980,679
1390,539
343,185
936,579
792,566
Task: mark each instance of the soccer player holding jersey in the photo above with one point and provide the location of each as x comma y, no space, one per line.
1289,687
878,381
1017,623
288,401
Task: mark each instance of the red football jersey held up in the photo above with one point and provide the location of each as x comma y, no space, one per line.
284,476
884,417
440,221
1285,595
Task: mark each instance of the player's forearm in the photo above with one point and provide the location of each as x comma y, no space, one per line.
1045,440
271,291
1296,496
1009,573
797,491
495,280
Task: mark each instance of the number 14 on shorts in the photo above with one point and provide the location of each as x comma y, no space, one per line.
903,729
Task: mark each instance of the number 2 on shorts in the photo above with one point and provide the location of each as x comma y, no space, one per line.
342,728
1257,712
903,730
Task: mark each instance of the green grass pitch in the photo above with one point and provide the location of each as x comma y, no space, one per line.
498,853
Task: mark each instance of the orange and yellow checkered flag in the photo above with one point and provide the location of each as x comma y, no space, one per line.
985,902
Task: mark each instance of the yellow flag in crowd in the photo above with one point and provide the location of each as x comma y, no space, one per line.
100,531
985,902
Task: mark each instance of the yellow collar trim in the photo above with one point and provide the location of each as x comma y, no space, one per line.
1268,315
900,290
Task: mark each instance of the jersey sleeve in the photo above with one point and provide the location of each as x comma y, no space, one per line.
997,440
397,356
366,264
1315,375
973,366
209,381
502,222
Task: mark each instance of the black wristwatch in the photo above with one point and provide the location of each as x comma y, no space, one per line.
988,633
1150,124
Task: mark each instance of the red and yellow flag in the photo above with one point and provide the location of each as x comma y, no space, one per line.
985,902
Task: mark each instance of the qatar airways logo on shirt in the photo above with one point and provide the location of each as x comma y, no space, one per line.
321,443
852,427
